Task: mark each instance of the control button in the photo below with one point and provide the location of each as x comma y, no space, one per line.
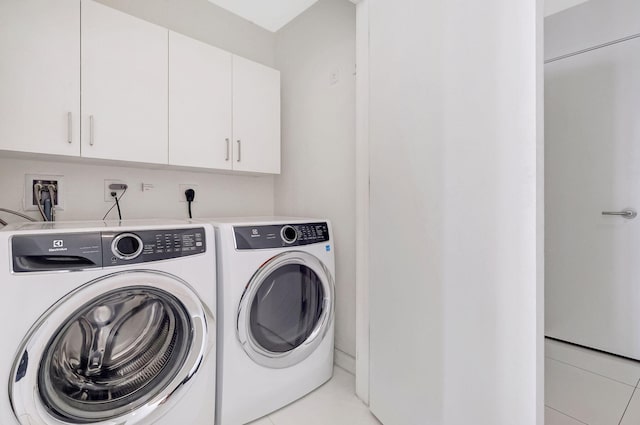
127,246
289,234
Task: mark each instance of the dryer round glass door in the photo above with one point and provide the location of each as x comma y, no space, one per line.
116,348
286,309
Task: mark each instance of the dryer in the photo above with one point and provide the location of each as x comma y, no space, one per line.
107,323
276,313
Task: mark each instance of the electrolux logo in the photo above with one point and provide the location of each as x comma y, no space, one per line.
58,245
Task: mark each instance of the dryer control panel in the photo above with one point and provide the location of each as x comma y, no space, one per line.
280,235
78,251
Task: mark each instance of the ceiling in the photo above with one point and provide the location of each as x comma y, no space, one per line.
269,14
554,6
275,14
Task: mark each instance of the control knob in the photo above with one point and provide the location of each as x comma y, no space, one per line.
127,246
289,234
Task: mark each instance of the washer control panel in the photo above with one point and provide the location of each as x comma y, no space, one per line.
151,245
280,235
56,252
79,251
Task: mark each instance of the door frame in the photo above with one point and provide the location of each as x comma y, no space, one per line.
362,199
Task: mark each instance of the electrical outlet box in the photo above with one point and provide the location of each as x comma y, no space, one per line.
119,190
183,187
30,202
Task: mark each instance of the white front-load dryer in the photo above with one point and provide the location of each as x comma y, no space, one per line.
109,324
275,311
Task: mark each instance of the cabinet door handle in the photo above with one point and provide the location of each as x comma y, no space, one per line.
91,130
227,157
239,150
69,130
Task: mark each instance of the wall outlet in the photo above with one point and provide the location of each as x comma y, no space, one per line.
183,187
30,181
107,190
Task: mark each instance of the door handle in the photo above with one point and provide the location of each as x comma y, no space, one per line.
227,157
239,150
628,213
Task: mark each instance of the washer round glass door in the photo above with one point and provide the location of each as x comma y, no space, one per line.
115,349
286,309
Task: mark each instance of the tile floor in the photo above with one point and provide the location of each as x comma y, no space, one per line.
587,387
582,387
334,403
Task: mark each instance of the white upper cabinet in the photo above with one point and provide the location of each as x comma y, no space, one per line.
219,118
40,76
148,95
199,104
256,117
124,86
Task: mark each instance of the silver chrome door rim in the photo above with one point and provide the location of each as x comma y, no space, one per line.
282,360
24,395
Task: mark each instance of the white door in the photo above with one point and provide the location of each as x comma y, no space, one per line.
40,76
592,158
199,104
124,86
256,117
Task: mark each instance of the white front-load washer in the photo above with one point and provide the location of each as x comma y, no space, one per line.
109,324
275,313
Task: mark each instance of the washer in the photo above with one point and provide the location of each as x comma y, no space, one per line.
109,324
276,313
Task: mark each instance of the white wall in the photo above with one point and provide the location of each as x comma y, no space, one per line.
588,25
455,314
218,194
318,137
554,6
204,21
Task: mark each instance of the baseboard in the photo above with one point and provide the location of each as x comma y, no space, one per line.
344,361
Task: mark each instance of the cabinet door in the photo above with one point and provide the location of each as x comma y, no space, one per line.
124,86
40,76
256,117
199,104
